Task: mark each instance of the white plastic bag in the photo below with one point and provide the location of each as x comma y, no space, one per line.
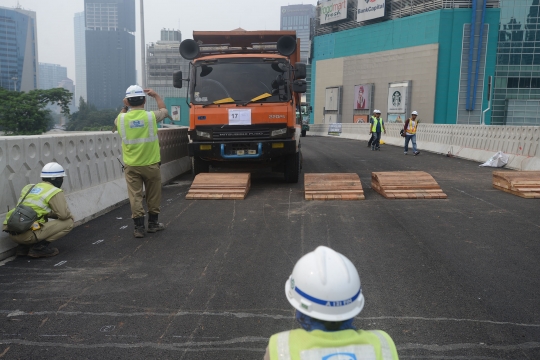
500,159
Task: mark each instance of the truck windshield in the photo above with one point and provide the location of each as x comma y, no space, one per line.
241,81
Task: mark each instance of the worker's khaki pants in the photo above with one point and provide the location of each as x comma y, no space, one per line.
50,231
150,176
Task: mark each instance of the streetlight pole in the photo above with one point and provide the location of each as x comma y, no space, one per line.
15,82
143,50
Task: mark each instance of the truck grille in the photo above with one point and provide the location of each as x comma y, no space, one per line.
224,134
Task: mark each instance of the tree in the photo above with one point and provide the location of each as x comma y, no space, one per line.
88,118
24,113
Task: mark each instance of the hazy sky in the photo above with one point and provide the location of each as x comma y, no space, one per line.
55,21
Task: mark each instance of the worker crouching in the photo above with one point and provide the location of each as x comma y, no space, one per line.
48,201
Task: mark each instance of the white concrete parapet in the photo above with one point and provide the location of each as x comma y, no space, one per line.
473,142
95,182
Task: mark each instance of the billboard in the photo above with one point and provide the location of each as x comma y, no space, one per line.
362,97
360,119
333,10
398,97
332,99
369,9
396,118
175,112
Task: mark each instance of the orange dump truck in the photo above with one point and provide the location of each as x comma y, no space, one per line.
244,92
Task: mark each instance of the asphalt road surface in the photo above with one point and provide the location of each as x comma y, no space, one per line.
447,279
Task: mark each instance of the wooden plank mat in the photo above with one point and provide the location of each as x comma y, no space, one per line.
521,183
219,186
334,186
406,185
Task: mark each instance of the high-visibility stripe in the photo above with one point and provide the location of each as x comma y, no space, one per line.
283,350
39,204
150,138
385,345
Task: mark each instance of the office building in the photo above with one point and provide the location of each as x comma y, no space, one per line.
110,51
162,59
298,17
18,49
80,58
434,57
50,75
516,92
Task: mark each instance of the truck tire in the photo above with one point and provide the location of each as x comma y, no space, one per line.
303,133
199,166
292,168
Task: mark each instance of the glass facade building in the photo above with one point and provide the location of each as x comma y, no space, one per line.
110,51
298,17
18,49
80,58
516,95
50,75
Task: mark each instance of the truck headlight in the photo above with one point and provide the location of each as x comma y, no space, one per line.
278,132
203,134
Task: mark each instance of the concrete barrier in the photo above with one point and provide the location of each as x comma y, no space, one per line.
95,182
472,142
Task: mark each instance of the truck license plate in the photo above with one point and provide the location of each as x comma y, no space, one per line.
240,152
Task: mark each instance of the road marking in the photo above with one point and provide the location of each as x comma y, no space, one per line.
61,263
250,315
97,242
107,328
123,227
53,335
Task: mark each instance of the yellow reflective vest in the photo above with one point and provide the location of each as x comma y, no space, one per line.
411,127
37,199
345,344
140,144
374,125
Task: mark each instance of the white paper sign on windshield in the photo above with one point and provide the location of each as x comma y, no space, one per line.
239,116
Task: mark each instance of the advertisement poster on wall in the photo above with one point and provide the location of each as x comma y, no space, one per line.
175,112
396,118
333,10
332,99
398,97
362,96
369,9
360,119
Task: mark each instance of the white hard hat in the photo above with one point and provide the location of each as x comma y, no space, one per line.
134,91
377,111
414,113
53,170
325,285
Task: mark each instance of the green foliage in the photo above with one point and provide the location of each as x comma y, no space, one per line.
24,113
88,118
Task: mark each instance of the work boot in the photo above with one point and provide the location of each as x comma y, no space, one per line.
138,232
42,249
22,250
153,224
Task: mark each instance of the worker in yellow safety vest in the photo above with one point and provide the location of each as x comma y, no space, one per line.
141,153
48,202
325,290
377,126
410,132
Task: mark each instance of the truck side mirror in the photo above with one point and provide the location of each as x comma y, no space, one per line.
300,71
299,86
177,79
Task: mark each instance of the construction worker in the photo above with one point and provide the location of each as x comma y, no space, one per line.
377,125
48,201
325,290
140,150
410,132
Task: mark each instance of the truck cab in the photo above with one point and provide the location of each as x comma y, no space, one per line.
243,91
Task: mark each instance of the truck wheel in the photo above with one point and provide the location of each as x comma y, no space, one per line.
292,168
304,133
199,166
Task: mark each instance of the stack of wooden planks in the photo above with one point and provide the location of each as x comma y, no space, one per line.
521,183
406,185
218,186
333,187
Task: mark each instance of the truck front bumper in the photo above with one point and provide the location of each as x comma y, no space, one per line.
242,150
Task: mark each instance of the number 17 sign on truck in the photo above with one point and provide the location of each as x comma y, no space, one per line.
244,91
